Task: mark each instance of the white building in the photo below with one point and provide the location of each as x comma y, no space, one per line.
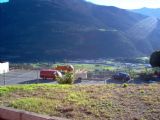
4,67
81,74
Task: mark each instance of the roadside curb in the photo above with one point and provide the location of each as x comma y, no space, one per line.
14,114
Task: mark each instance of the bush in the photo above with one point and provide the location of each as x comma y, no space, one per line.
125,85
68,78
155,59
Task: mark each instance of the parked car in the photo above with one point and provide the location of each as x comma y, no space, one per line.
49,74
121,76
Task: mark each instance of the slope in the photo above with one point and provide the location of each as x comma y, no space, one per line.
65,29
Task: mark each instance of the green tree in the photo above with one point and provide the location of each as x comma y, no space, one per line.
68,78
155,59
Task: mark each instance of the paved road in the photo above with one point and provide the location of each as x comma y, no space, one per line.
20,77
29,77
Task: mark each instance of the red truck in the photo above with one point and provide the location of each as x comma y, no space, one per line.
63,68
49,74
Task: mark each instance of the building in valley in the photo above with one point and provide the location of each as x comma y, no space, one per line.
4,67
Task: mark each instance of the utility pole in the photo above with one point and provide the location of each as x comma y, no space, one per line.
37,75
4,78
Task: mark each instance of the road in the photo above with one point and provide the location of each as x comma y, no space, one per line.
21,77
32,76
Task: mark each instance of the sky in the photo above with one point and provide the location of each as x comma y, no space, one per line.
125,4
3,1
129,4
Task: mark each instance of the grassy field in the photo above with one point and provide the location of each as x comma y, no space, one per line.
87,67
90,102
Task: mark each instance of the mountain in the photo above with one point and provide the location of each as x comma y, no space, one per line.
153,12
33,30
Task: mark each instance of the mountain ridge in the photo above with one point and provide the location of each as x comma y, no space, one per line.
72,29
153,12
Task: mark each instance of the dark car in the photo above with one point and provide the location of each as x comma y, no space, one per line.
121,76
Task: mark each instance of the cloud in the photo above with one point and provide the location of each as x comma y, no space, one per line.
129,4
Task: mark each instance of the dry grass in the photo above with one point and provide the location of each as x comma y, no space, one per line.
89,102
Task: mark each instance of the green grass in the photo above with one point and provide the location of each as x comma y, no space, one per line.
92,67
89,67
88,102
38,105
9,89
79,98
